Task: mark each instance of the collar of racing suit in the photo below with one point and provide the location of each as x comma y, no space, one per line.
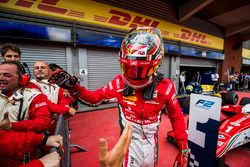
147,91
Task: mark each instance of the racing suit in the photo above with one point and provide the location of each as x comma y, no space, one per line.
16,144
57,103
27,110
143,114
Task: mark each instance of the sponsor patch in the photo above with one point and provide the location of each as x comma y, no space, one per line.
168,89
221,137
40,104
131,98
219,143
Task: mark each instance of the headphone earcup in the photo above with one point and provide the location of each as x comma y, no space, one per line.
24,80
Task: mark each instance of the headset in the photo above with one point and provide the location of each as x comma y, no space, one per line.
24,76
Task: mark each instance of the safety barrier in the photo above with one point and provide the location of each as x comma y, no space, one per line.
62,128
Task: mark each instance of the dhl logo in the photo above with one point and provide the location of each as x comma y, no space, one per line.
108,17
125,19
47,6
192,36
117,18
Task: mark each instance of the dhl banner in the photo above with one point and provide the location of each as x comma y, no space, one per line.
99,14
246,53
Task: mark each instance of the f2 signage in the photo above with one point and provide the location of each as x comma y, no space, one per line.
204,103
203,129
124,19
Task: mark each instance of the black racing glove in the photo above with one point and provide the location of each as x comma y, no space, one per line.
63,79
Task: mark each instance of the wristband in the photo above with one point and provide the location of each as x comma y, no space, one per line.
184,151
45,137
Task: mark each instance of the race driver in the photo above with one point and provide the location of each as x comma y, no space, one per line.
142,93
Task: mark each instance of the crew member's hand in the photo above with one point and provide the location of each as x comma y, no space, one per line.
55,141
115,157
5,124
51,160
182,157
72,111
63,79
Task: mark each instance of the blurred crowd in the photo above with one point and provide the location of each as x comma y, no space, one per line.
236,81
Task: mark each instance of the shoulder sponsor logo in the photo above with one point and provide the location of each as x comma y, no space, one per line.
206,104
168,89
40,104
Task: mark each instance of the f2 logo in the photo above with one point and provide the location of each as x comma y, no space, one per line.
204,104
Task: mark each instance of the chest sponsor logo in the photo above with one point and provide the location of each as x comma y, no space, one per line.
131,98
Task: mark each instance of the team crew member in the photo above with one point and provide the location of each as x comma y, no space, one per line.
27,108
58,102
72,102
10,52
141,93
14,144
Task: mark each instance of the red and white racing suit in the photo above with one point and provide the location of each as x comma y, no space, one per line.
144,114
16,144
57,103
31,106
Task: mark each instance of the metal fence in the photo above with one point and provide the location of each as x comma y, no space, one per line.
62,128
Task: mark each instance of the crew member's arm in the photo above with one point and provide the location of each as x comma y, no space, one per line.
12,143
15,142
39,116
63,106
49,160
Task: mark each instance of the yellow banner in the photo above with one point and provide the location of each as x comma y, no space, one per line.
246,53
99,14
